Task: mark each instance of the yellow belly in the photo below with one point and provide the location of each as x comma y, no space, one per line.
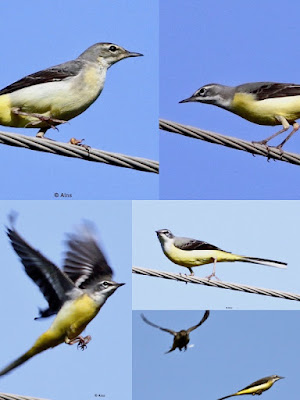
254,389
264,112
194,258
61,100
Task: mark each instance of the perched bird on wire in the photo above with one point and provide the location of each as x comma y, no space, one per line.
76,293
264,103
57,94
181,338
257,387
190,253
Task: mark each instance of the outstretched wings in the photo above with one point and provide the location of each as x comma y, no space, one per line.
85,263
156,326
53,283
205,316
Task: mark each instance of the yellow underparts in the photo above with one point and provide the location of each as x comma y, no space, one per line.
255,389
264,112
69,323
62,100
193,258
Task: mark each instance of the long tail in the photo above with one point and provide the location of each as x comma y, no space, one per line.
18,362
263,261
227,397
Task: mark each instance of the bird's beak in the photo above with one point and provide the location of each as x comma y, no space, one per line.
189,99
280,377
120,284
132,54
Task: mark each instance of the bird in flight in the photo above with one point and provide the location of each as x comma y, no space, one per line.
181,338
76,293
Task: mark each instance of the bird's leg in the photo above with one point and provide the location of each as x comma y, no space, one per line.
40,117
285,125
191,271
82,341
296,126
213,274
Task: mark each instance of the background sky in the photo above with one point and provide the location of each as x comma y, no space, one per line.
122,120
231,350
104,368
231,43
265,229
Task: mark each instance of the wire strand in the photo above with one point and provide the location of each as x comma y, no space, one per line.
84,153
228,141
218,284
6,396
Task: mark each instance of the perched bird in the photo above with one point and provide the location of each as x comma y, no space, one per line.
76,293
257,387
57,94
192,253
264,103
181,338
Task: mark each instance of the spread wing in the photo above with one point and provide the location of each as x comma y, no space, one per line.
85,263
205,316
193,244
56,73
53,283
156,326
268,90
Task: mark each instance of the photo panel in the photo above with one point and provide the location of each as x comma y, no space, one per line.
227,353
103,369
259,231
121,121
227,43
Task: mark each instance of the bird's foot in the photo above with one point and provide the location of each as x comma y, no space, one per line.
81,341
77,142
213,275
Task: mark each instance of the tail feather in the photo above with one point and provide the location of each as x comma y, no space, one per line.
227,397
263,261
16,363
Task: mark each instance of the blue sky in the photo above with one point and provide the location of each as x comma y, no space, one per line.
231,350
231,43
65,372
122,120
265,229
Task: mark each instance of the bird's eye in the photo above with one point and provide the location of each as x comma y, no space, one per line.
105,284
112,48
201,91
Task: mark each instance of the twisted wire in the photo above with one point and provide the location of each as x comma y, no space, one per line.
228,141
6,396
218,284
84,153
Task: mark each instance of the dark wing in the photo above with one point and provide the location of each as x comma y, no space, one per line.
193,244
268,90
53,283
57,73
156,326
257,383
84,262
205,316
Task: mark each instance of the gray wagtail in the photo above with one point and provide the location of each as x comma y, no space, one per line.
257,387
264,103
57,94
192,253
76,293
181,338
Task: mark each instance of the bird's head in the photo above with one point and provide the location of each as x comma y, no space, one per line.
107,54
